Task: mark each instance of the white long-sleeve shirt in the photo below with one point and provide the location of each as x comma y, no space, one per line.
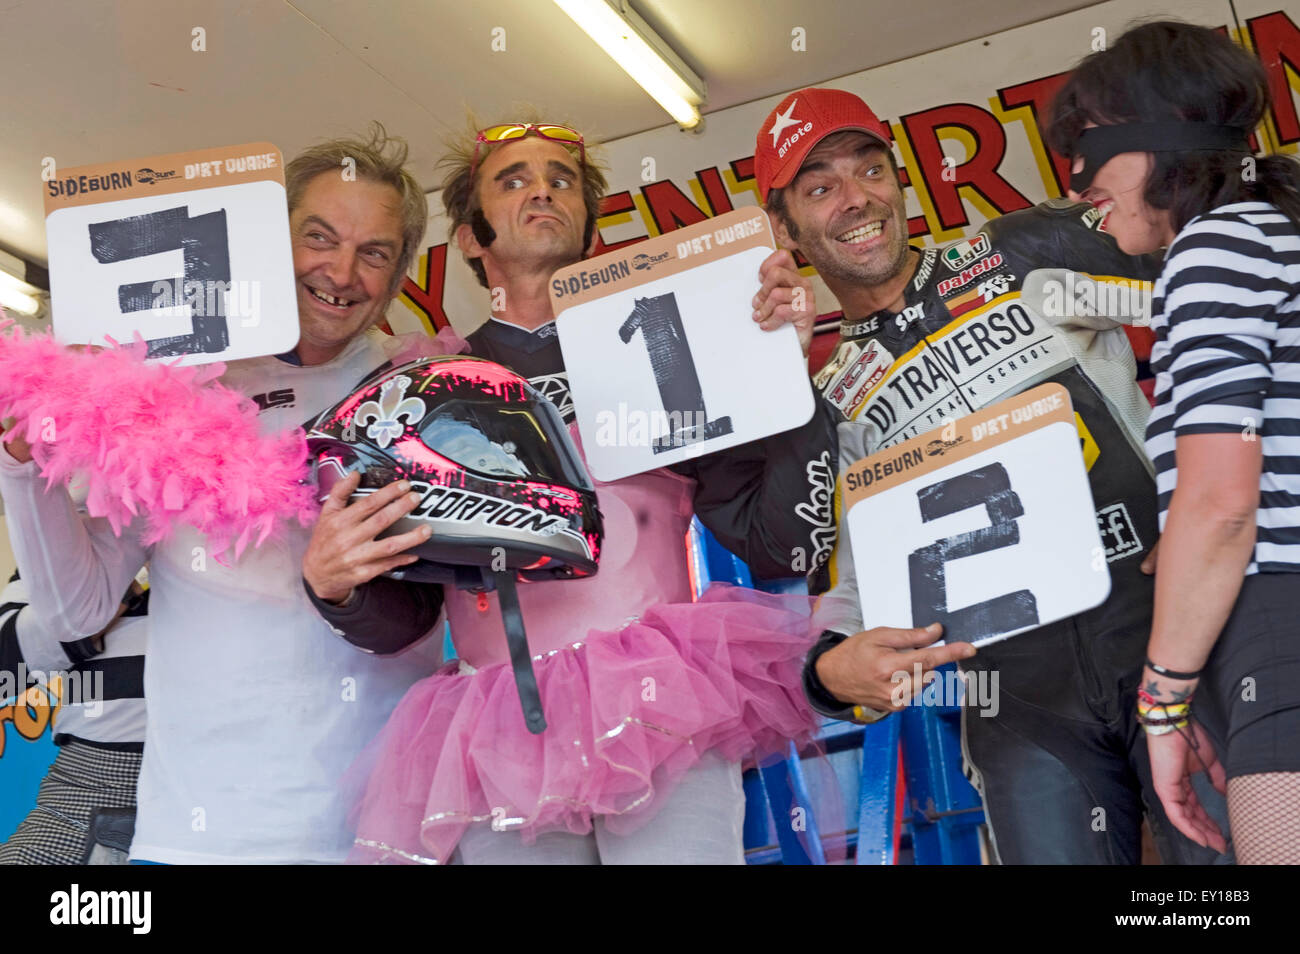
256,709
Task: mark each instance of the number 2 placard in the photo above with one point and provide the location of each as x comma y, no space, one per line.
664,360
191,251
986,525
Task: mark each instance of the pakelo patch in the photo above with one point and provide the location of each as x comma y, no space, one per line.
969,274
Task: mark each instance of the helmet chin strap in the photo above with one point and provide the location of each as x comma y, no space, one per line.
521,660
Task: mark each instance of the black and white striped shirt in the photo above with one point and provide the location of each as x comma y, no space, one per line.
1227,359
102,692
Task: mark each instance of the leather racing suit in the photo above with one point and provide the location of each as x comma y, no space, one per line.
985,319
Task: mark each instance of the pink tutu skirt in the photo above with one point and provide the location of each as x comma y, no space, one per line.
627,711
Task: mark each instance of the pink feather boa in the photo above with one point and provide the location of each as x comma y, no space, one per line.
162,444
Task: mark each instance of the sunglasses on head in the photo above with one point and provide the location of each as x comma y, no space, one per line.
1099,144
507,132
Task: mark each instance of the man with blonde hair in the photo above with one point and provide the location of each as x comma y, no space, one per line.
256,708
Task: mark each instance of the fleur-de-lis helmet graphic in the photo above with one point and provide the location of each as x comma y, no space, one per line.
385,419
501,485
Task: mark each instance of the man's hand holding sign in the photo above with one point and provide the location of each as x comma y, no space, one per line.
786,296
663,364
1005,487
190,251
188,254
980,530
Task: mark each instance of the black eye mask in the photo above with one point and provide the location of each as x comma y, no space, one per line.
1100,144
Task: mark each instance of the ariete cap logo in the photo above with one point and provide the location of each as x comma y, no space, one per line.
387,418
784,121
961,254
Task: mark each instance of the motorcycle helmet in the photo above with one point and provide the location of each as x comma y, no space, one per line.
502,486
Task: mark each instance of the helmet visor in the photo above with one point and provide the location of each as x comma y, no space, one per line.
519,442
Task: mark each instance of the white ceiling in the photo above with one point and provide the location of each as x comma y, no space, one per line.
90,81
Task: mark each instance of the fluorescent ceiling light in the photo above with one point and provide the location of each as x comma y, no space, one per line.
16,294
642,54
14,300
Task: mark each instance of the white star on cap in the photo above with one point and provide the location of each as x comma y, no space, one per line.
782,121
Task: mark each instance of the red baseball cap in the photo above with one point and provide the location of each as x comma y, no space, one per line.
801,121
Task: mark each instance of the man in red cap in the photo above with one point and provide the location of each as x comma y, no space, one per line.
1058,758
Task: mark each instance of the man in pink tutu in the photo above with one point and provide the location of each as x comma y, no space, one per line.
652,699
255,708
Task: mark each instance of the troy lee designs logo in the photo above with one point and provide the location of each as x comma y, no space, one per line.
385,419
818,510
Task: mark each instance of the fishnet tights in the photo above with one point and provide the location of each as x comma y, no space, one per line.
1264,811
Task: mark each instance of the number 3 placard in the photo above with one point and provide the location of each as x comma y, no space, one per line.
664,360
191,251
985,525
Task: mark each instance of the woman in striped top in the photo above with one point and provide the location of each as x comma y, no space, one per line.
1158,130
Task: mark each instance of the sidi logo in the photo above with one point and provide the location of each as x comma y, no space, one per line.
102,907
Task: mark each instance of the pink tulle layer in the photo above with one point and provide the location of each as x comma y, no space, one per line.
159,442
628,712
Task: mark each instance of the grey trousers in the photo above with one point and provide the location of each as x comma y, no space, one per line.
700,823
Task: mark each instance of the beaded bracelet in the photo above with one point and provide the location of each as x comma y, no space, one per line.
1171,719
1161,718
1169,709
1161,729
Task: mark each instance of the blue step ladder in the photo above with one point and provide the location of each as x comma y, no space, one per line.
910,798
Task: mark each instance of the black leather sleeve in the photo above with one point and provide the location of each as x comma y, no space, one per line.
1082,246
385,615
1059,233
770,501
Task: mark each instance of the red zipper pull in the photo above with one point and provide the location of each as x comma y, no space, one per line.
483,602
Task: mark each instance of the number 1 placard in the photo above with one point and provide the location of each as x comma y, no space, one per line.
665,362
190,251
985,525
